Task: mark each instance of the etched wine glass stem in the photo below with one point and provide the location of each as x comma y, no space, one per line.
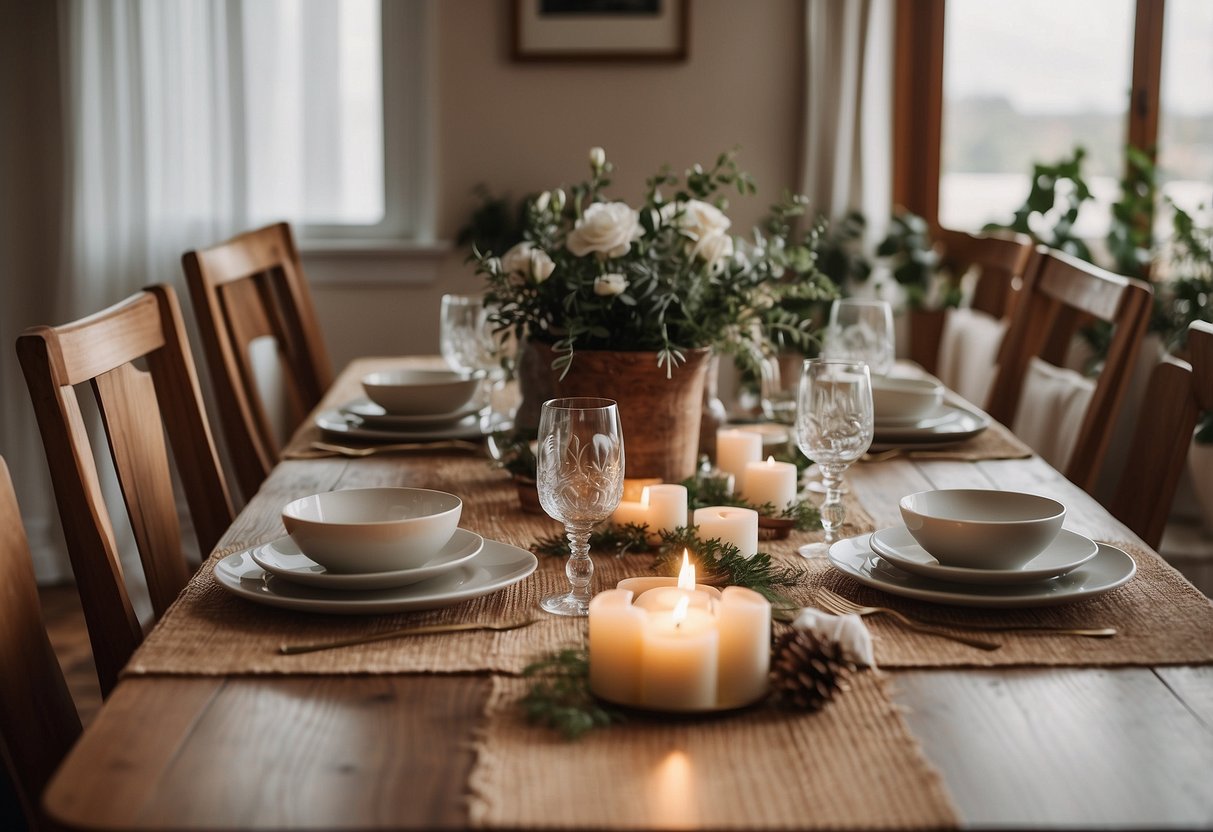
579,569
832,511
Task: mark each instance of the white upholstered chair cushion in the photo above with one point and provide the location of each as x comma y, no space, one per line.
968,352
1051,408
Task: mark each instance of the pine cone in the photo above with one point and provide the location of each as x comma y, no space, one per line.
806,672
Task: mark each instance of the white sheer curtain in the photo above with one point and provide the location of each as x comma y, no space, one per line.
847,156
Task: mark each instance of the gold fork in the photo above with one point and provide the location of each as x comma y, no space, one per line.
835,603
371,450
846,605
295,649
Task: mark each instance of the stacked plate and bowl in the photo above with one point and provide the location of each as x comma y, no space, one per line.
983,548
373,550
410,405
912,411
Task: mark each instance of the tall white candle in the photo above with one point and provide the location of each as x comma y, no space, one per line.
770,482
667,507
738,526
734,450
744,621
616,643
679,665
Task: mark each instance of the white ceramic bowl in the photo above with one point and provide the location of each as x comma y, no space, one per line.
372,529
421,392
982,529
903,399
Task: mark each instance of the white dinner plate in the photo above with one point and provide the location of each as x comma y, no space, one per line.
1067,552
374,416
939,416
960,423
1109,569
335,423
497,566
282,557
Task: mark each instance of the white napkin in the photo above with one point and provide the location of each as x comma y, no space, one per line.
847,631
1052,404
968,352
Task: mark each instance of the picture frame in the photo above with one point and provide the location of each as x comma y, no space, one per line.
600,30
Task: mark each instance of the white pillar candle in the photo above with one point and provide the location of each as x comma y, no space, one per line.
738,526
744,620
734,450
667,507
680,660
639,586
770,482
616,643
666,598
628,512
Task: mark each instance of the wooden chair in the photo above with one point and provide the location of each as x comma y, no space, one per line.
1177,393
1061,295
1000,262
246,288
38,721
138,407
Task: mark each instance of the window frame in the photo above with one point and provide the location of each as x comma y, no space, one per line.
918,98
407,69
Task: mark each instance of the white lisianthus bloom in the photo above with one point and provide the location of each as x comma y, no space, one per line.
558,200
542,201
541,265
597,158
610,284
607,229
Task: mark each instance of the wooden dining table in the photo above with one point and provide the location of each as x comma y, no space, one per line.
1018,746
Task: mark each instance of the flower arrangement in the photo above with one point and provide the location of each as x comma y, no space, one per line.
594,273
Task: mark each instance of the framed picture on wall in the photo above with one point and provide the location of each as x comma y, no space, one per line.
600,30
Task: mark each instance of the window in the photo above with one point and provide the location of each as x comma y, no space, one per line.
1185,128
334,122
986,88
1028,85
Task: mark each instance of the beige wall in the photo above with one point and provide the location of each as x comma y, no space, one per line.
524,127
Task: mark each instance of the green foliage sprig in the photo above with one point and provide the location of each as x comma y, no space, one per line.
559,696
713,491
1058,192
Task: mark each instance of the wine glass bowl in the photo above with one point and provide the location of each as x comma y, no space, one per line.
861,330
834,425
467,342
580,483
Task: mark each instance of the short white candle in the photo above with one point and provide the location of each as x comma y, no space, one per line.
738,526
770,482
667,507
679,665
629,513
616,636
665,598
744,619
734,450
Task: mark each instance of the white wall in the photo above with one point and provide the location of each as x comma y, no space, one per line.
524,127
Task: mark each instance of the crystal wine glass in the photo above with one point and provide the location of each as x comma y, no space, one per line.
580,482
834,429
467,343
861,330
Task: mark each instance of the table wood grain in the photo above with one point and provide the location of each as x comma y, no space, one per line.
1056,748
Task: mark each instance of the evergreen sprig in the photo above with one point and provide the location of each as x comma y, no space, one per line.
559,696
614,540
713,491
723,563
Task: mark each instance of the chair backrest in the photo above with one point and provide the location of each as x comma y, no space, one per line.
138,407
250,287
1177,393
1000,261
1061,295
38,722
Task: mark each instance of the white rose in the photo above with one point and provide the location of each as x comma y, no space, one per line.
597,158
607,229
714,250
703,219
542,201
610,284
541,265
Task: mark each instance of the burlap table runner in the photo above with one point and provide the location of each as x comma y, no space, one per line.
853,765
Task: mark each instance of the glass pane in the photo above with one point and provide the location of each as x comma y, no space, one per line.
314,111
1026,82
1185,127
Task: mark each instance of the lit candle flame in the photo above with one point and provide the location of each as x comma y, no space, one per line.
770,460
644,496
679,614
686,575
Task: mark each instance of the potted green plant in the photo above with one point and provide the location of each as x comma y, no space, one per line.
630,302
